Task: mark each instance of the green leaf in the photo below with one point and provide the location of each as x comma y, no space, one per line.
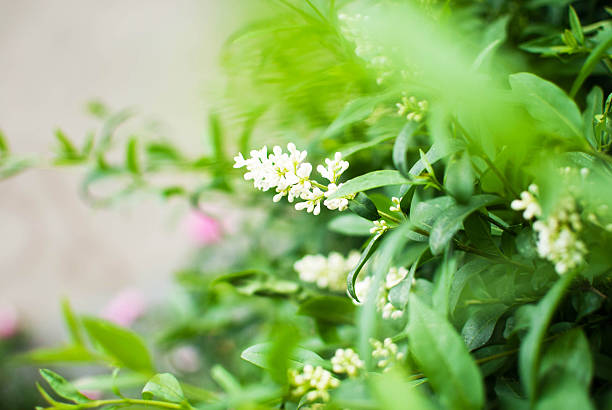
390,386
529,353
548,104
257,354
62,387
594,107
350,225
575,25
225,379
67,149
332,309
479,327
451,220
566,372
402,143
459,177
443,358
125,346
589,65
354,111
65,354
463,276
353,149
442,286
4,148
363,206
131,156
371,180
163,386
365,255
425,213
72,323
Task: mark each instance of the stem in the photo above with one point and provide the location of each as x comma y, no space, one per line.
497,223
154,403
390,217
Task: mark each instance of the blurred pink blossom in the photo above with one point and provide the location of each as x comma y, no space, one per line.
125,308
204,229
92,394
185,359
9,321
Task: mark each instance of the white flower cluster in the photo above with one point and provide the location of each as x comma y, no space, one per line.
312,381
289,175
383,304
558,236
528,203
327,272
346,361
381,226
413,109
396,207
386,352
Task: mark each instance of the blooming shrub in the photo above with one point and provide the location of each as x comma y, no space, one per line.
479,201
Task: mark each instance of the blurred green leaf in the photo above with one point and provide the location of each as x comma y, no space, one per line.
163,386
403,143
332,309
350,225
459,177
548,104
531,346
592,60
132,163
125,346
74,328
257,354
62,387
444,359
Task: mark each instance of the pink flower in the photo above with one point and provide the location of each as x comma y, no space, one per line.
125,308
92,394
204,229
9,321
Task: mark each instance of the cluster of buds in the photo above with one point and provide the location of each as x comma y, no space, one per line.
386,353
289,175
314,382
346,361
413,109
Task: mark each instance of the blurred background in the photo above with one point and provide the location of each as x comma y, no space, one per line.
157,56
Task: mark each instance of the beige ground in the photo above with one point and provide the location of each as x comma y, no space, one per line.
157,55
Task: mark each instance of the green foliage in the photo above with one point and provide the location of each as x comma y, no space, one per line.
479,190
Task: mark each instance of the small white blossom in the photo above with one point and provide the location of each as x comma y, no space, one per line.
335,168
386,352
379,227
338,203
312,381
558,237
396,205
312,201
391,312
327,272
528,203
346,361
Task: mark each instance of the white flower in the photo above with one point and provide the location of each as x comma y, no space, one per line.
396,205
338,203
379,227
312,201
558,237
362,288
528,203
395,276
346,361
312,381
335,168
327,272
